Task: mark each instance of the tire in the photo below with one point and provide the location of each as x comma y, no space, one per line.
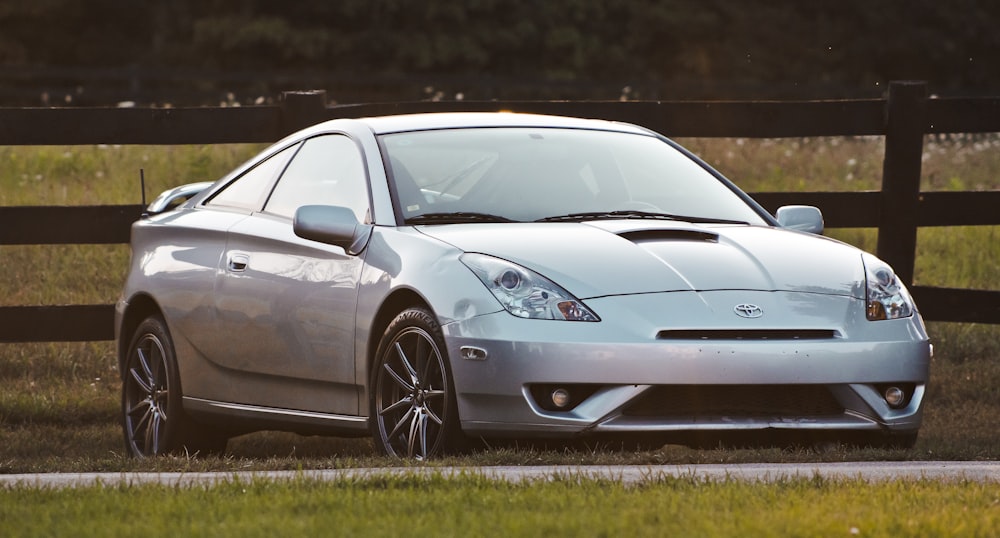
153,420
412,405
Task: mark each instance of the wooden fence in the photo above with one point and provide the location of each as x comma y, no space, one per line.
897,210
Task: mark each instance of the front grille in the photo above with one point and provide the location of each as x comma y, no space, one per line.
693,401
751,334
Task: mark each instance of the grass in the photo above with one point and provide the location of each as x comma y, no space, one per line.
475,506
109,174
59,402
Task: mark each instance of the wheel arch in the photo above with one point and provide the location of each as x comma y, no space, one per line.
395,303
406,313
139,308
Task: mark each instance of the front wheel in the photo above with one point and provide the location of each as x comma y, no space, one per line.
413,408
153,420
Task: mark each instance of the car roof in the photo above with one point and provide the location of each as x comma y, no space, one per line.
453,120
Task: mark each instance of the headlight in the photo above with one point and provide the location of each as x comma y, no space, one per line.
887,296
525,293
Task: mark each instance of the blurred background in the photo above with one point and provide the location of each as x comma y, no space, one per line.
211,52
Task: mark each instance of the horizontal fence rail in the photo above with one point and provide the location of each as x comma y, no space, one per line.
903,118
250,124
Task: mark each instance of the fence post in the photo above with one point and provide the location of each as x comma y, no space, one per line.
300,109
905,122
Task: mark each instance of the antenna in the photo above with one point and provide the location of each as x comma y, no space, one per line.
142,187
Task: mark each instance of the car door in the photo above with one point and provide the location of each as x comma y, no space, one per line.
203,240
288,304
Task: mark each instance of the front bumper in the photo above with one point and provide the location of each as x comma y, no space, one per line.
811,365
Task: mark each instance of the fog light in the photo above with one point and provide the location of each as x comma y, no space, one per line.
895,397
560,398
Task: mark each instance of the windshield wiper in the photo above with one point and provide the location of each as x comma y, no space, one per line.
633,214
456,218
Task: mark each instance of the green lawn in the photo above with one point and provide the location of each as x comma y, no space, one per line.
476,506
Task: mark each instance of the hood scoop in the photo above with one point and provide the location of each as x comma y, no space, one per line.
669,234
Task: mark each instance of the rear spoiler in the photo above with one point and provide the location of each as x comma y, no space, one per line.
174,197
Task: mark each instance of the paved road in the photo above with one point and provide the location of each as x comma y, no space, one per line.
629,474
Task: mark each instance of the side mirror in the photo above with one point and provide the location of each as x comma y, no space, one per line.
333,225
803,218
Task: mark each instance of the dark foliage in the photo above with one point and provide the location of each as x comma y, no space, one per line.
666,48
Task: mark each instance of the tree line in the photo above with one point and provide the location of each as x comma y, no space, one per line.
650,49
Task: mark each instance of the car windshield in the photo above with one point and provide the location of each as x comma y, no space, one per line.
549,174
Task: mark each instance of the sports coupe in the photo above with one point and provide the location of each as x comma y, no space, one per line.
433,279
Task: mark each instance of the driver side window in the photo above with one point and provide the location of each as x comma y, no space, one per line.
327,170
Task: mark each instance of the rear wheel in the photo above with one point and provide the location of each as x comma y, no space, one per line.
153,420
413,409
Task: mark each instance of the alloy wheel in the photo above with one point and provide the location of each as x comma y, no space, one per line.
411,399
147,397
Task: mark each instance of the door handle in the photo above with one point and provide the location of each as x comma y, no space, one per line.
238,262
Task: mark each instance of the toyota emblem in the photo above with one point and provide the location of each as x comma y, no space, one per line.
747,310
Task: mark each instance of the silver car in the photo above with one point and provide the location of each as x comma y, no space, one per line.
437,278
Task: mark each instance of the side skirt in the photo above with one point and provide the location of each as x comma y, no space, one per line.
248,418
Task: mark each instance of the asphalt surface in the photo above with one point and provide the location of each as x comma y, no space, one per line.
984,471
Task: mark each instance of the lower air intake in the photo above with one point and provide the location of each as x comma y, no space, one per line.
692,401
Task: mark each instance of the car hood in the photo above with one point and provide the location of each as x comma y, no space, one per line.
620,257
